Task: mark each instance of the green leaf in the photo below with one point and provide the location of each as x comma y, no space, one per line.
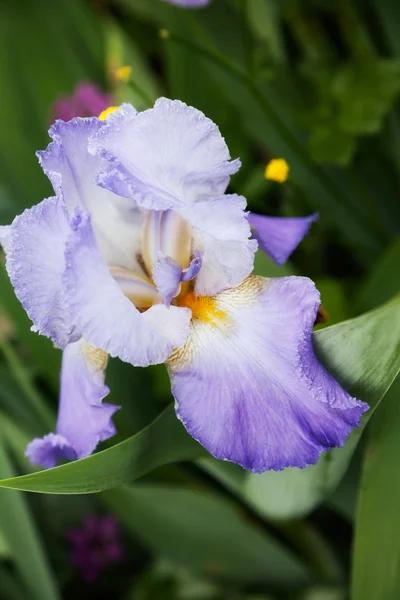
204,533
23,542
365,92
376,574
124,51
162,442
364,354
328,143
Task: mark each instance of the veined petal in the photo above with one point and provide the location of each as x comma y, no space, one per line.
169,155
279,236
221,233
72,170
241,383
106,317
35,245
83,420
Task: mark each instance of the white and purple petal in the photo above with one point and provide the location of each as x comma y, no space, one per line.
279,236
105,316
83,419
168,275
72,170
166,231
169,155
35,245
248,386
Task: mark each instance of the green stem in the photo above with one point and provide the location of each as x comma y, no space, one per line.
24,381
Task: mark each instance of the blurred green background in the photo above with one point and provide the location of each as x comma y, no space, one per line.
316,82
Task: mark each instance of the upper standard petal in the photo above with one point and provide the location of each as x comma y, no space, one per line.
240,383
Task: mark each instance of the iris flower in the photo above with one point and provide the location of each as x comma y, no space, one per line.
142,255
189,3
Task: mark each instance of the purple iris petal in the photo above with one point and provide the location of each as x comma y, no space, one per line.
83,420
72,169
193,269
167,277
105,317
248,385
169,155
95,546
279,236
86,101
35,245
221,233
189,3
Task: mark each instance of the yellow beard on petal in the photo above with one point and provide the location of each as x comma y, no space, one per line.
204,308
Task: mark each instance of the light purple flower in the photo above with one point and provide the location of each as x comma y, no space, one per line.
95,546
88,100
189,3
143,255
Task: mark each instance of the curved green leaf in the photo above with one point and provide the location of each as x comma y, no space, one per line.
364,354
376,573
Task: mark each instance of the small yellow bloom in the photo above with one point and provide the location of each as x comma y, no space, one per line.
277,170
103,115
164,34
124,73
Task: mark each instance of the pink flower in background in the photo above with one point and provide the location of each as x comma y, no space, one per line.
88,100
95,546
